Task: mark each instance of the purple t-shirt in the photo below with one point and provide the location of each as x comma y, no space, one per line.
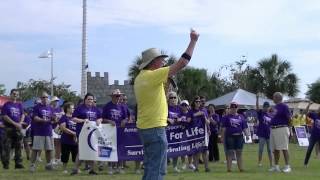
184,117
84,112
174,113
281,115
13,110
71,125
315,132
57,112
198,121
114,112
42,128
263,129
126,110
234,124
214,128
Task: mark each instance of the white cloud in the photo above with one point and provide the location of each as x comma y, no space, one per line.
247,21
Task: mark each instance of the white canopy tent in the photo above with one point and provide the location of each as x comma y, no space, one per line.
245,99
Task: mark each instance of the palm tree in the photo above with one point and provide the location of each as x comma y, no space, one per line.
273,75
313,92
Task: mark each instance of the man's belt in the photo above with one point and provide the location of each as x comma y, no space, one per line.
279,126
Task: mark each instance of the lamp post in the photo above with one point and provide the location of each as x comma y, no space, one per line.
49,54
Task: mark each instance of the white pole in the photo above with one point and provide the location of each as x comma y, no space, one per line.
51,53
84,51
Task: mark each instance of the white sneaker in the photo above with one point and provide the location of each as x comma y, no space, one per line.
260,165
110,171
121,171
234,162
32,168
65,172
138,171
286,169
176,170
184,167
274,169
191,167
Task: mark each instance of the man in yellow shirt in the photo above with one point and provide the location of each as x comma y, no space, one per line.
152,106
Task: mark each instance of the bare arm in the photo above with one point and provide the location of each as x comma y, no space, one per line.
10,121
176,67
257,102
66,130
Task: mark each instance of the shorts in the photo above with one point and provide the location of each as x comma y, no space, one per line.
234,142
279,138
42,142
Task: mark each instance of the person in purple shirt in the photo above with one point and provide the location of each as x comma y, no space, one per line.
83,113
1,134
68,136
233,127
42,131
174,119
280,133
315,133
263,129
13,117
200,119
114,113
57,112
214,133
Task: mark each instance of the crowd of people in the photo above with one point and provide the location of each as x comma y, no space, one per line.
55,128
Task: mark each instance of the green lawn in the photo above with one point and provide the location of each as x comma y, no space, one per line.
218,170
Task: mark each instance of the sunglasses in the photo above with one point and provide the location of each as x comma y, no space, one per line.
197,101
184,104
43,97
172,97
117,96
233,106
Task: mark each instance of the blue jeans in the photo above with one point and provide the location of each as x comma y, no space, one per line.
262,142
155,147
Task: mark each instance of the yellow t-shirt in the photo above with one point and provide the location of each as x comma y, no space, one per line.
295,121
151,98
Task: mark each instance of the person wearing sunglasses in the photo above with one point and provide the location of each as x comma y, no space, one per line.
233,127
200,119
43,118
13,117
113,113
174,119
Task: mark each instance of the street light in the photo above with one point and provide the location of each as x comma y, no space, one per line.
49,54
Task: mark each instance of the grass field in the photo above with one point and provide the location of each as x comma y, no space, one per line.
218,170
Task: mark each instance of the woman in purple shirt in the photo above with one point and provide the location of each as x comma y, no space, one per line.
174,119
263,129
233,127
200,119
214,132
83,113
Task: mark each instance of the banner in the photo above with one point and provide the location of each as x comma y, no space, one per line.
98,143
302,135
124,143
182,140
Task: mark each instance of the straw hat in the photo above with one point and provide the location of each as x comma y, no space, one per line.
149,55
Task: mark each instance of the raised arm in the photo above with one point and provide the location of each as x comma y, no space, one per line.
186,56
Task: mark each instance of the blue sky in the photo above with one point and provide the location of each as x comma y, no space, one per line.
118,30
